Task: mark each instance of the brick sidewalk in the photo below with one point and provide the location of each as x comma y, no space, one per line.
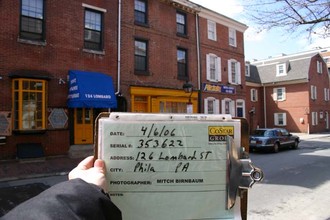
49,166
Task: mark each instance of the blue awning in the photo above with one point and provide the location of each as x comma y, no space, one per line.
90,90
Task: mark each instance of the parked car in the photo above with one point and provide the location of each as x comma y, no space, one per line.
272,139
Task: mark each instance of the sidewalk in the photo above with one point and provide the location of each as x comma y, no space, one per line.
39,167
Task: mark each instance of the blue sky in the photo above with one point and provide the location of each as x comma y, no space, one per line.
267,43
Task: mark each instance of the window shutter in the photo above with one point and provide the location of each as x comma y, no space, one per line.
218,68
284,93
208,74
216,106
230,79
275,94
238,76
223,106
206,106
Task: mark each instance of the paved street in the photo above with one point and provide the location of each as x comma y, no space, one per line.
296,184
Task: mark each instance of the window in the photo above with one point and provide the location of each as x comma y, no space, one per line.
319,66
141,56
211,106
232,37
213,65
234,72
281,70
29,104
93,30
280,119
314,119
140,11
313,92
181,26
279,94
254,95
240,108
326,94
182,63
228,106
247,70
32,20
211,30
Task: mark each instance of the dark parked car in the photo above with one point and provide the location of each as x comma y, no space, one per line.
272,139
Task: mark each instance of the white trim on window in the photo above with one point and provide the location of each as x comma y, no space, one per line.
232,37
313,92
280,119
211,102
213,63
281,69
254,95
279,94
247,70
319,67
240,104
326,94
234,72
228,106
211,30
94,7
314,119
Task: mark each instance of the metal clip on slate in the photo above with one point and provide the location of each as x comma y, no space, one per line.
242,174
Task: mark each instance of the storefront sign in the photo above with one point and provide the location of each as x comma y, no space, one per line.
207,87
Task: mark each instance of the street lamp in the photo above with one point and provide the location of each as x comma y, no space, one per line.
188,88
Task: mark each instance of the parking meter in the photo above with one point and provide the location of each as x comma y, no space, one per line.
176,166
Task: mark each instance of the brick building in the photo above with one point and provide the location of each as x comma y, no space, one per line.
61,66
290,91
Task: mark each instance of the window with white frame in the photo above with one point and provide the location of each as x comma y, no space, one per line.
280,119
281,69
326,94
234,71
211,105
211,30
247,69
254,95
314,118
319,66
313,92
213,65
232,37
240,108
228,106
279,94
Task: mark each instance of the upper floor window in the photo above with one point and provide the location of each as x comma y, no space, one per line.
232,37
32,20
313,92
281,69
211,106
93,33
254,95
182,63
211,30
140,11
280,119
141,56
181,23
279,94
29,104
213,65
247,70
319,66
326,94
234,71
228,106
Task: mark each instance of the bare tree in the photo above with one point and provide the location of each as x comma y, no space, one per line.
312,16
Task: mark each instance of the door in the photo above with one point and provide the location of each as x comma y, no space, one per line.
83,126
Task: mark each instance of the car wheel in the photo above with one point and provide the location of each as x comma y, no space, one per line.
276,147
295,145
